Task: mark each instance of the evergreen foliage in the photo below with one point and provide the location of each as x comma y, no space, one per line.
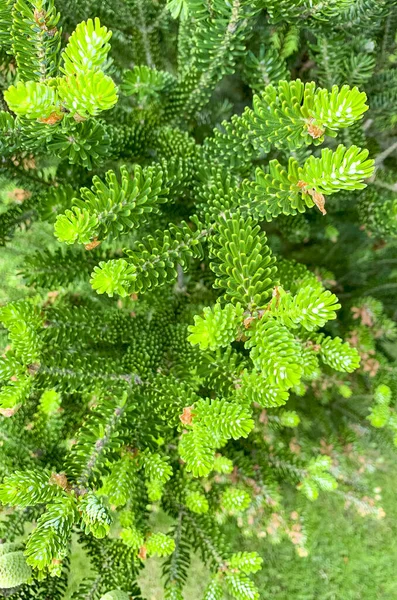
213,322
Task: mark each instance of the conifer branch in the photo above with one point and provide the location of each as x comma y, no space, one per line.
165,349
100,445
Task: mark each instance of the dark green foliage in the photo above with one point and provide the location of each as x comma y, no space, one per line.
210,330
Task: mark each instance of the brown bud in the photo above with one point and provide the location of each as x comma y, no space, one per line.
39,16
28,163
263,418
33,369
94,244
315,131
317,197
78,118
318,200
19,195
9,412
60,480
53,118
248,321
187,416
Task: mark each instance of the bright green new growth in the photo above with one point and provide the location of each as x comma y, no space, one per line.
318,478
218,328
249,562
132,538
276,353
153,262
108,208
338,355
381,414
160,544
343,169
289,418
295,114
291,191
83,90
32,99
87,93
311,307
242,261
49,540
197,503
235,500
87,48
200,320
214,422
96,518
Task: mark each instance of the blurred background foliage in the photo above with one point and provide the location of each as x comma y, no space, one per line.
350,557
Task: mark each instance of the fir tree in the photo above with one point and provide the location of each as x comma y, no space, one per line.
214,320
